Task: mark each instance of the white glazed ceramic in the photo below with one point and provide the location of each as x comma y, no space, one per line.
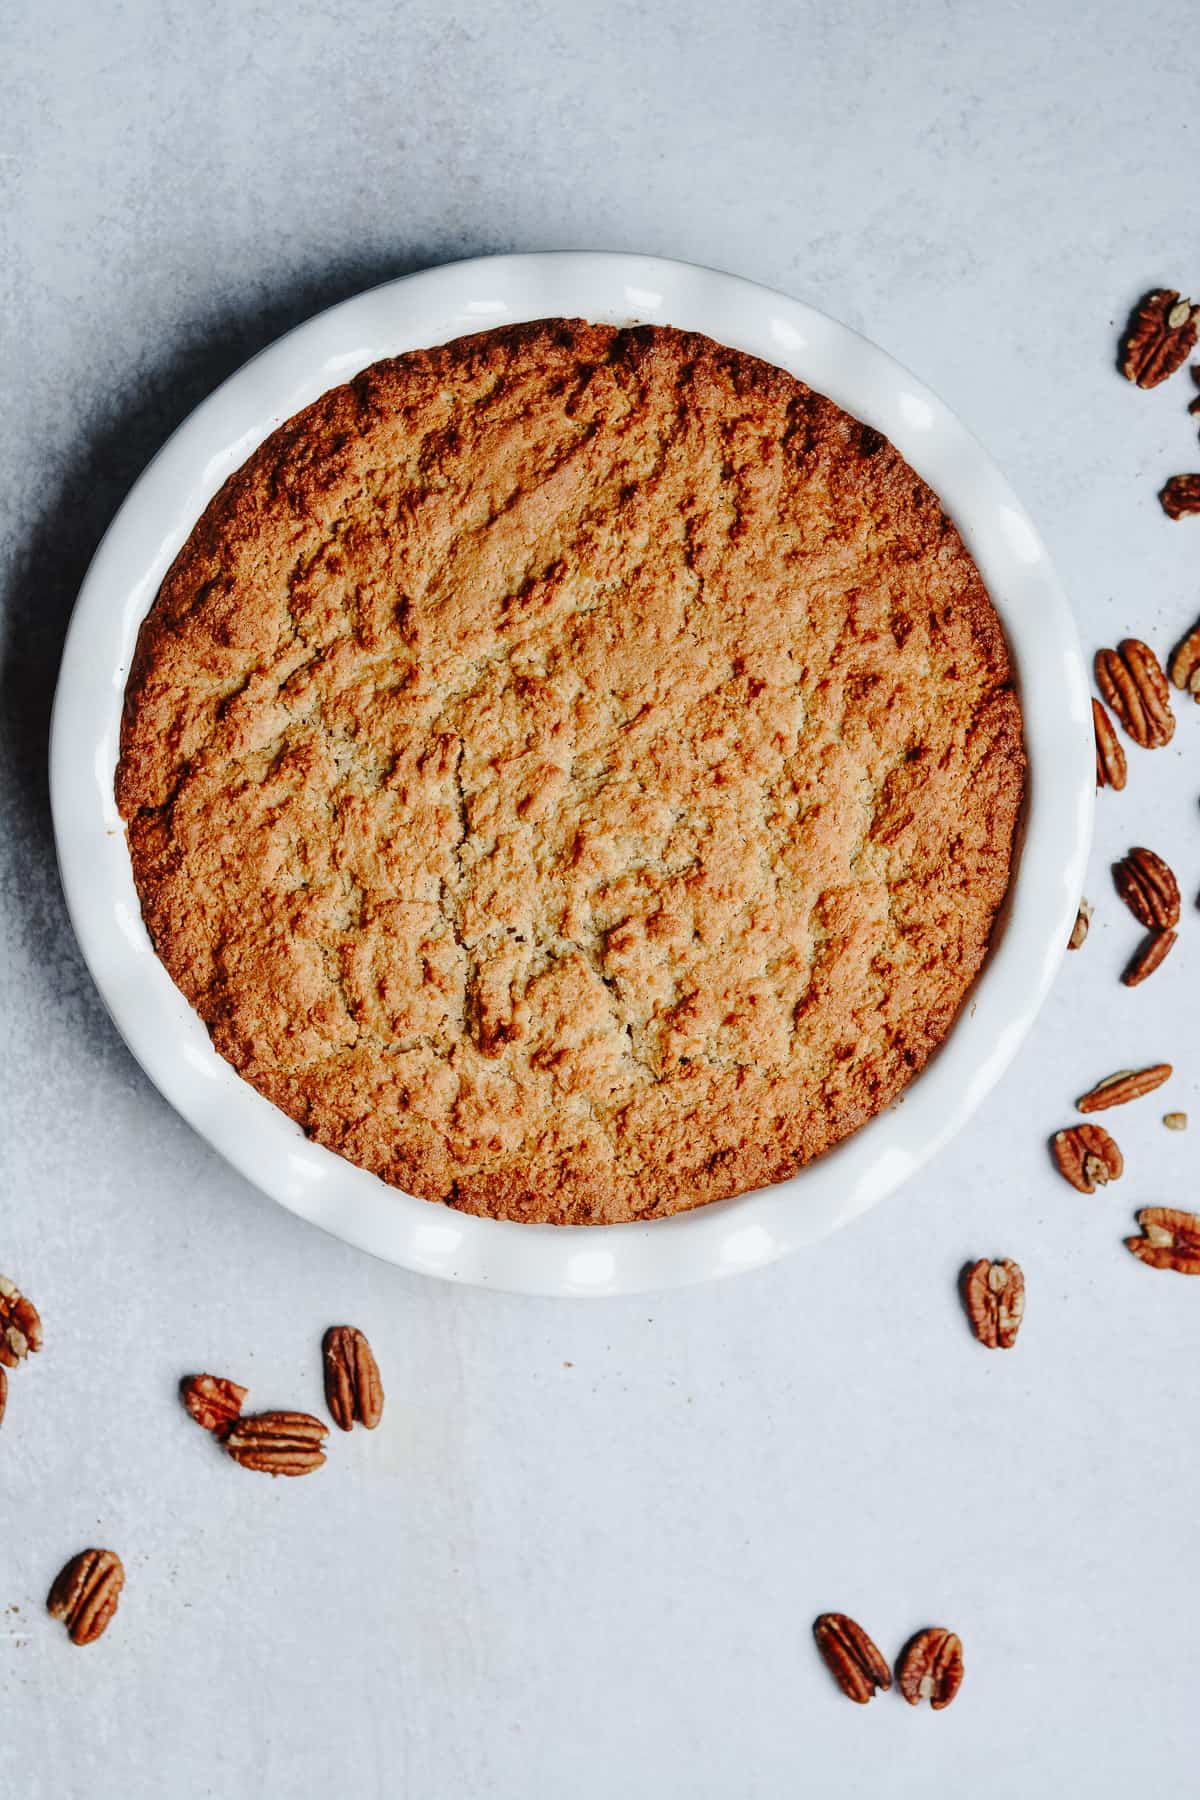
166,1035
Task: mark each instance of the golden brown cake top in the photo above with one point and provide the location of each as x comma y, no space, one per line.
573,771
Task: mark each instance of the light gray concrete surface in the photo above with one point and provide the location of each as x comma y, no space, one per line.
582,1554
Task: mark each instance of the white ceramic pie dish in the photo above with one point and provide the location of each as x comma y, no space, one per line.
168,1038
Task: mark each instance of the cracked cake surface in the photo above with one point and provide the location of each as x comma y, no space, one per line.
573,772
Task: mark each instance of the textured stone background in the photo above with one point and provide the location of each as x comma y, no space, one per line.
582,1555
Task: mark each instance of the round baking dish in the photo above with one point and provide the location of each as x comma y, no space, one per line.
168,1038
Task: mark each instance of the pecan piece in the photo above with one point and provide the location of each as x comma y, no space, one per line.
1110,758
1149,889
1135,687
1087,1157
353,1389
1185,664
1180,496
1152,951
213,1401
1159,338
1170,1239
931,1667
1079,930
1175,1121
85,1594
20,1326
278,1443
995,1298
1125,1085
855,1663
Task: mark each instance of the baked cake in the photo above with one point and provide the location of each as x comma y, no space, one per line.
573,772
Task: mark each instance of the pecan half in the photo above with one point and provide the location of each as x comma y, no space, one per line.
353,1389
931,1667
995,1298
1125,1085
278,1443
1149,889
1159,338
1079,930
1110,758
1135,687
213,1401
855,1663
1152,951
1180,496
86,1593
1170,1239
1087,1157
20,1326
1185,664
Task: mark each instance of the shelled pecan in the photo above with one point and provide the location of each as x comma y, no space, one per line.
1079,930
1125,1085
1185,664
931,1668
995,1299
353,1389
1180,496
86,1593
1175,1121
213,1401
1159,338
1110,758
1170,1239
855,1663
1148,887
1136,689
1087,1157
278,1443
20,1326
1152,951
